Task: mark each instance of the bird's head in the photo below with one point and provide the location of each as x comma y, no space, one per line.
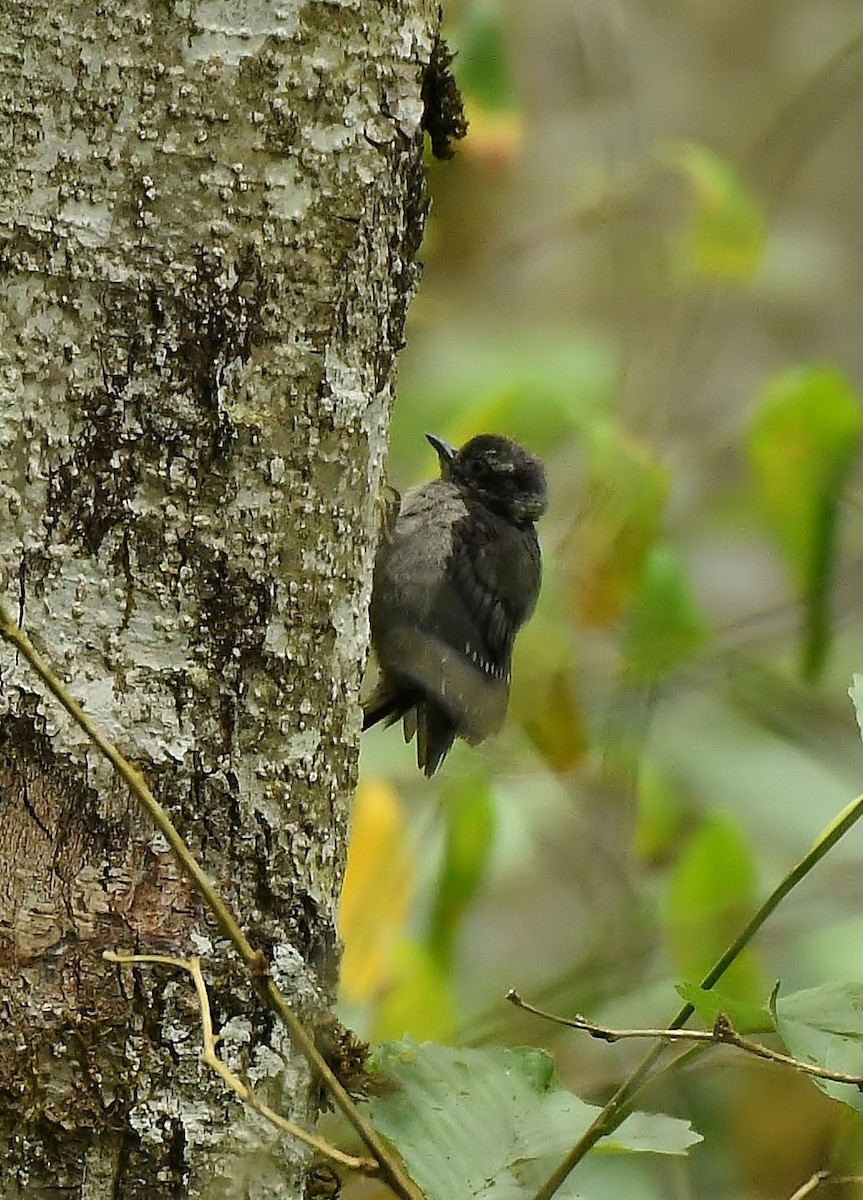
499,473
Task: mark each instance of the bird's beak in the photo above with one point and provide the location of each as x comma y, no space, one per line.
444,450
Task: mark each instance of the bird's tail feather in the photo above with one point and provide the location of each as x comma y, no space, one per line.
436,731
388,710
430,723
387,704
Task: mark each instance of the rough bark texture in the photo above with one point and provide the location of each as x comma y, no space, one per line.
209,214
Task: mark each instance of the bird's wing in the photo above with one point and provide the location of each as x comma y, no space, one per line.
452,587
492,582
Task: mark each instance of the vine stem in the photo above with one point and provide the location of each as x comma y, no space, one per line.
192,966
618,1106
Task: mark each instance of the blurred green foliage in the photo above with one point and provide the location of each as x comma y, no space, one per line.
726,239
483,65
666,626
711,894
469,818
644,264
626,489
802,446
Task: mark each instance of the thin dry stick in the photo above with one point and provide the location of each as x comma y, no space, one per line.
254,959
617,1107
811,1185
814,1183
208,1055
723,1033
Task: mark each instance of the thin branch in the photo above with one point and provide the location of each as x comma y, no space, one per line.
723,1033
814,1183
254,959
811,1185
620,1103
208,1055
826,96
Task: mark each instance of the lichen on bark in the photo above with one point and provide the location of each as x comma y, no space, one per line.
209,221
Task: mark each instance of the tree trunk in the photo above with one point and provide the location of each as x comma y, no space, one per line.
209,214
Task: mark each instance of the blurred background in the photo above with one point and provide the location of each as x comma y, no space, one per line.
646,263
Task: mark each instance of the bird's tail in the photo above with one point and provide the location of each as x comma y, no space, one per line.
388,706
432,725
436,731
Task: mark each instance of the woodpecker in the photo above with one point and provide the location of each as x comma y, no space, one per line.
457,574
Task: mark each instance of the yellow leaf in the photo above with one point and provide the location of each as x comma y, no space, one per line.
494,139
379,884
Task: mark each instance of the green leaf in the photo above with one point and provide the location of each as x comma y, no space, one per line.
666,625
482,66
727,237
711,895
493,1123
745,1016
802,445
470,826
419,997
824,1026
659,814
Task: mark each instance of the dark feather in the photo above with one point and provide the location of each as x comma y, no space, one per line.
436,732
492,580
457,575
388,706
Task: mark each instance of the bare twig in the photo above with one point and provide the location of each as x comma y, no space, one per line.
722,1033
254,959
814,1183
811,1185
208,1055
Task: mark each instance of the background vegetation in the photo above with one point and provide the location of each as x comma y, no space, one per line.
646,262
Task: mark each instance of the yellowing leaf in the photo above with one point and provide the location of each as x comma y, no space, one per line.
545,699
727,237
553,719
626,491
494,138
379,884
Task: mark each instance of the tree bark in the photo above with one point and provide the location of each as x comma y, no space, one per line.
209,216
